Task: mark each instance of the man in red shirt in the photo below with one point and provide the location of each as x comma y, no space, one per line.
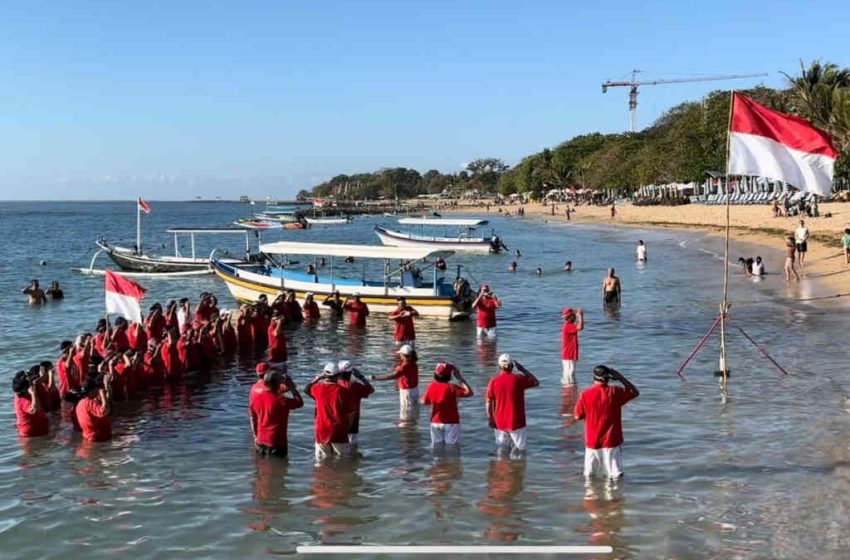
442,395
31,419
269,412
262,369
403,315
359,310
506,404
486,304
277,339
569,344
599,405
69,377
333,413
94,409
358,390
407,376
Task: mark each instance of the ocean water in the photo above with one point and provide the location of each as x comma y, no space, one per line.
764,474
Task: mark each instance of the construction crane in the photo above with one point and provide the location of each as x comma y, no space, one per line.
633,84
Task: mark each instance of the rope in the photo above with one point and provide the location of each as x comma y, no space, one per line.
697,348
824,297
762,350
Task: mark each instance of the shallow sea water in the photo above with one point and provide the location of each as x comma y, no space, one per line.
764,475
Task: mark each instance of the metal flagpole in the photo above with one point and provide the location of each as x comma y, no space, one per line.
723,372
138,227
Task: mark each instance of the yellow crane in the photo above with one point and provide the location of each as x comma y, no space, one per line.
633,84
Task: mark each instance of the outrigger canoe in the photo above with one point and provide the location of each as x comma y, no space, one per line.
462,240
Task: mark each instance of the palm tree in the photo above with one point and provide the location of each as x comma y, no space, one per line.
821,94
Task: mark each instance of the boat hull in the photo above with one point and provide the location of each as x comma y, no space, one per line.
126,259
247,285
399,239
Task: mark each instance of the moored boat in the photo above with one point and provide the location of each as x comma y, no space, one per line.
398,277
462,240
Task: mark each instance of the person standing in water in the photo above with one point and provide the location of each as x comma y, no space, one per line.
505,401
402,316
442,395
486,305
801,239
641,252
845,242
35,294
54,291
406,374
573,323
611,288
790,250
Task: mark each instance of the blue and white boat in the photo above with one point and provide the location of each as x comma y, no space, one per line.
457,235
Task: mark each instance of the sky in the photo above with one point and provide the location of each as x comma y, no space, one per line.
173,100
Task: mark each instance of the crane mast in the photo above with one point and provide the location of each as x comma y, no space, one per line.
634,83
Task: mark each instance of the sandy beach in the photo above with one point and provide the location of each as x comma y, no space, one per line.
751,224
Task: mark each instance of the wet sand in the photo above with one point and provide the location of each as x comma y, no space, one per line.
751,224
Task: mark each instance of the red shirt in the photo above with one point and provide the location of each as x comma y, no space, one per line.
30,425
155,327
228,335
404,329
259,330
138,338
409,378
311,310
271,417
48,398
359,312
95,424
245,334
332,408
81,360
152,373
120,341
486,318
569,342
68,376
118,385
508,391
171,363
443,400
277,345
356,393
600,406
99,347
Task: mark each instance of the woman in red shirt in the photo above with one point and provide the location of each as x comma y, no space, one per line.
277,340
311,308
442,395
407,376
31,419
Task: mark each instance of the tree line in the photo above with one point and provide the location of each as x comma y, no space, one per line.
680,146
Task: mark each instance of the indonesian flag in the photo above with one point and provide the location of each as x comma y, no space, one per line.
779,146
144,206
123,297
318,202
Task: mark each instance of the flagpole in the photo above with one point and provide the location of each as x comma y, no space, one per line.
138,227
724,305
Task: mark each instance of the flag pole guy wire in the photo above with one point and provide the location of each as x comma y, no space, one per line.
697,348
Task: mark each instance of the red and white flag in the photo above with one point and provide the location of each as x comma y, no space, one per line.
123,297
144,206
318,202
779,146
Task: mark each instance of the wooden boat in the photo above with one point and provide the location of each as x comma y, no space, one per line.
248,223
398,277
328,220
130,259
462,240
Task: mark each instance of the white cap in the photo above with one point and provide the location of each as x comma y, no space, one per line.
309,294
405,350
330,368
505,360
344,365
355,294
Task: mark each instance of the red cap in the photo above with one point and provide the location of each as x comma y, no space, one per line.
567,312
262,368
444,368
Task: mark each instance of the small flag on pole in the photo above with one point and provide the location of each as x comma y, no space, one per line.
144,206
123,296
779,146
318,202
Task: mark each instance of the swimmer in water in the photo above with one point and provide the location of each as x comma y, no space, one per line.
568,266
539,271
611,288
512,268
517,254
54,291
35,294
641,251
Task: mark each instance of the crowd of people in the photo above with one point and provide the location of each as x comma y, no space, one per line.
121,360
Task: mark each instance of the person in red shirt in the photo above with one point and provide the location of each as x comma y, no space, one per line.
260,320
405,332
600,407
407,376
311,308
172,364
333,413
573,323
31,419
230,342
442,395
138,337
357,309
155,323
486,304
505,399
82,355
152,370
269,413
45,382
69,377
277,340
94,409
245,330
357,392
120,340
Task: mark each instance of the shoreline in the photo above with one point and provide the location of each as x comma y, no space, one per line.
824,277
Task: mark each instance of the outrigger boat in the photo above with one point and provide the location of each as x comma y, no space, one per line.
131,259
462,241
323,220
399,277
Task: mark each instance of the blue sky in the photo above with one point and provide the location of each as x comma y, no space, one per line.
170,100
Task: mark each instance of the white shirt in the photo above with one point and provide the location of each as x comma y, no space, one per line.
801,234
641,252
181,318
758,268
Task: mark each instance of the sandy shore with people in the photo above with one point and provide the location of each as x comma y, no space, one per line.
751,224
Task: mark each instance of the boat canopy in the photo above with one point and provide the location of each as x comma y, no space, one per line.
462,222
356,251
207,230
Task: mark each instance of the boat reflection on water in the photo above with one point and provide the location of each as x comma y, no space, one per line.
603,501
505,479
